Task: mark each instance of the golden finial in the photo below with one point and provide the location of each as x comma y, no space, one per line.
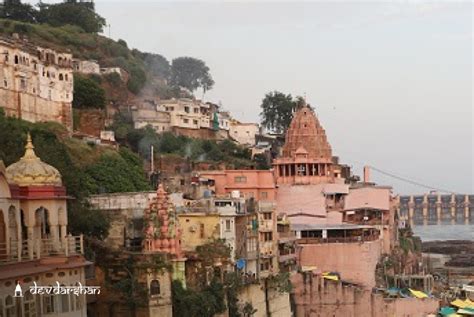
29,148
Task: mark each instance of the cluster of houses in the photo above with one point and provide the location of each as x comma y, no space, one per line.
306,216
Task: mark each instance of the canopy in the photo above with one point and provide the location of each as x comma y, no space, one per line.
418,294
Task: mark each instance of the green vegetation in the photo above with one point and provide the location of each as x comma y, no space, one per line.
140,140
70,12
190,73
85,170
277,110
87,92
208,299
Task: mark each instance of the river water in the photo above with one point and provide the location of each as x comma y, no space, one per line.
444,230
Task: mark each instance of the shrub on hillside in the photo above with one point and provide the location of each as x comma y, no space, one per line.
88,93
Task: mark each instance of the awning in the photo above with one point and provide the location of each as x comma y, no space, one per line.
418,294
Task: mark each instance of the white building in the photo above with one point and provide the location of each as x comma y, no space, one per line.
243,133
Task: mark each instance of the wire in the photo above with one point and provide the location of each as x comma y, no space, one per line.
403,179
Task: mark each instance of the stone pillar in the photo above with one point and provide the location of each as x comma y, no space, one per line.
438,207
31,239
411,207
425,206
54,236
453,206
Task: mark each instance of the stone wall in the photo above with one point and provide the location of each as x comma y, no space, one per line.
90,121
278,303
355,261
207,134
317,297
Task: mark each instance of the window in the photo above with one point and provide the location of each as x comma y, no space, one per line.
186,109
64,302
23,84
10,307
186,120
196,110
61,77
78,300
5,83
29,305
240,179
201,231
267,236
155,287
265,266
227,225
16,59
267,216
263,195
195,122
48,304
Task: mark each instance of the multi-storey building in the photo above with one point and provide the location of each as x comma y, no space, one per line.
36,84
243,133
35,247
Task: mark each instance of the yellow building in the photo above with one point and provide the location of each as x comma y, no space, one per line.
198,228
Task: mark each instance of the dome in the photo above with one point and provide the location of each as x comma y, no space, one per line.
305,134
31,171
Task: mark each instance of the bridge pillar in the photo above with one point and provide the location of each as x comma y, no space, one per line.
411,207
453,206
425,206
466,207
438,207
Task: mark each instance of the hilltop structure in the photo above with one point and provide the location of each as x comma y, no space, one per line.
35,246
36,84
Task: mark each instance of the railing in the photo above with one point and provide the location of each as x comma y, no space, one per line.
26,250
338,239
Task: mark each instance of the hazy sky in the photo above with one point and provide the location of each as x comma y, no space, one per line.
391,82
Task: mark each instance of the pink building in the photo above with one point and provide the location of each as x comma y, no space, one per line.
259,184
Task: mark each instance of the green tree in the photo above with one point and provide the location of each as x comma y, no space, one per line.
15,10
72,12
87,93
261,162
277,111
190,73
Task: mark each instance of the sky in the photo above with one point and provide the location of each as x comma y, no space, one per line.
391,82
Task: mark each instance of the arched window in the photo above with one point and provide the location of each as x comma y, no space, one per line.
10,306
29,305
155,287
16,59
49,303
78,299
64,302
61,77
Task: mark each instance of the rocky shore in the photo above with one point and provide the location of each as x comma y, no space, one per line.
461,252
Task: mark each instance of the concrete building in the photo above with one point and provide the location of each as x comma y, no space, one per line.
184,113
243,133
36,84
86,67
153,116
257,184
35,246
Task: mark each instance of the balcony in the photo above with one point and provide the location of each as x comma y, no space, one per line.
19,251
359,239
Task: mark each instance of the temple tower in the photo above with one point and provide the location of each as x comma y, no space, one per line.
162,232
307,154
